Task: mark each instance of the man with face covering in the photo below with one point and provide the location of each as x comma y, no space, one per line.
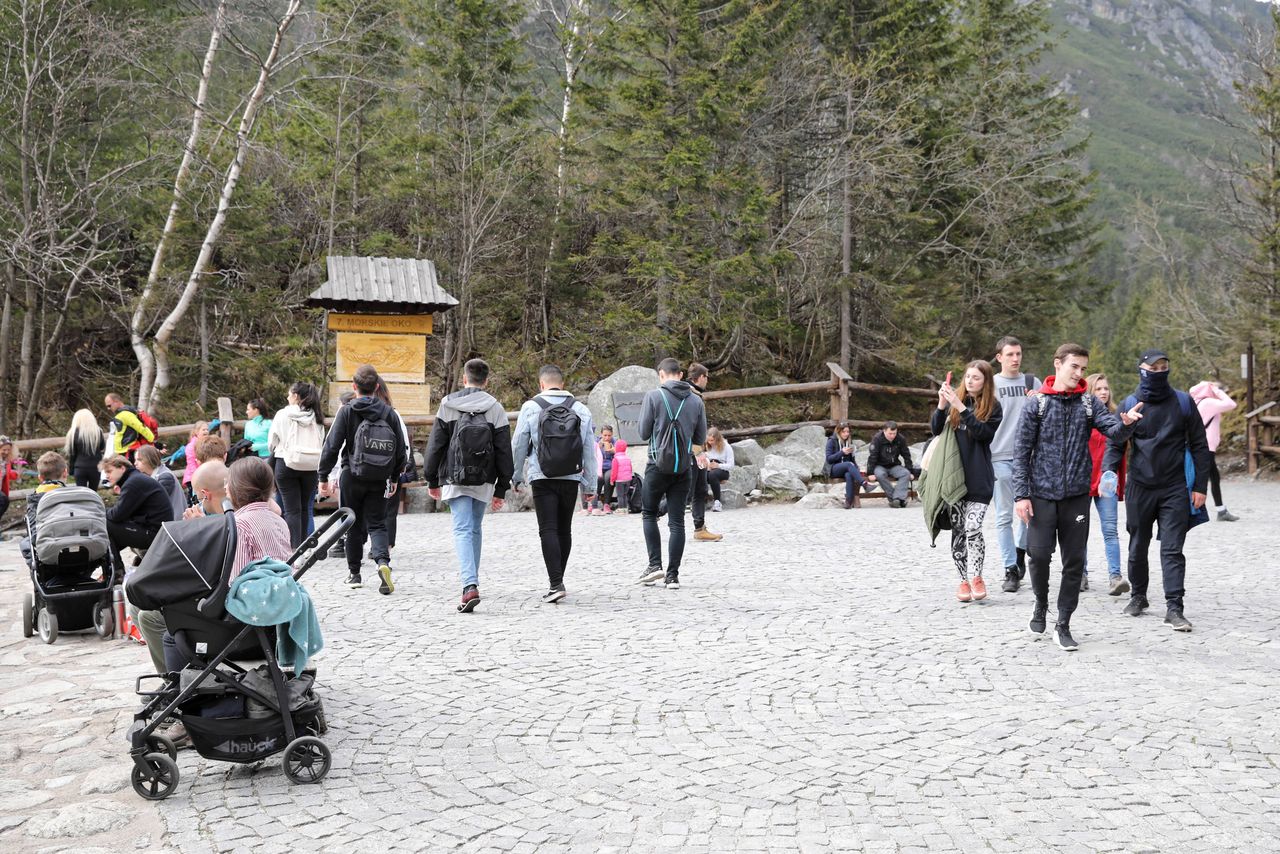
1157,483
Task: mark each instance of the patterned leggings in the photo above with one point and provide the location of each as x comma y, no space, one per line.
967,545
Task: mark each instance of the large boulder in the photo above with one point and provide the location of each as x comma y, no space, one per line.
806,446
516,502
631,378
779,478
821,501
419,501
775,462
743,478
748,453
732,499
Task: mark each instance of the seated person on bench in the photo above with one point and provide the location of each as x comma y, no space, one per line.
141,508
840,459
890,461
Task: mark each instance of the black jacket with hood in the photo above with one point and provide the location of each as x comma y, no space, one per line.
1168,429
435,464
343,434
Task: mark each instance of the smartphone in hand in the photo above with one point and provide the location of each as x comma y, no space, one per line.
948,380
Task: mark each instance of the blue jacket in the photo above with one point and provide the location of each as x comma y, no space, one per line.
1051,459
835,454
524,444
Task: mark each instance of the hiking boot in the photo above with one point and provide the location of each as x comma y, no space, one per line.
672,581
1011,580
857,501
1225,515
1137,604
1037,624
1062,635
174,730
1022,563
470,599
848,503
1084,582
706,536
650,575
353,581
979,588
1176,621
555,594
1119,586
386,588
964,592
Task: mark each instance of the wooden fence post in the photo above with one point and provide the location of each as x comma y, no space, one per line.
226,419
839,392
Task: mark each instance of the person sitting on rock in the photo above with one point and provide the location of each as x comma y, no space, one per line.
889,459
842,465
719,464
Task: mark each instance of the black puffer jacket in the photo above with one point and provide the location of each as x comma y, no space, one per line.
886,453
974,438
1051,459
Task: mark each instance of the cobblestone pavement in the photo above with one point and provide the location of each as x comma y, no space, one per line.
814,686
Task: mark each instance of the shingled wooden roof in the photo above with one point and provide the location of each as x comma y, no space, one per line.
403,285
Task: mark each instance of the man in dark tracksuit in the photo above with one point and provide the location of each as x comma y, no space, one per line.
1052,472
1156,487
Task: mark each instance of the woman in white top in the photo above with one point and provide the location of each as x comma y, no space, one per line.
295,440
719,464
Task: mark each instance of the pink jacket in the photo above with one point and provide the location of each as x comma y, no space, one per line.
1213,403
620,472
192,464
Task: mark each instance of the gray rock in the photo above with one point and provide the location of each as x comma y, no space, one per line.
742,479
9,822
821,501
419,501
747,453
516,502
84,819
775,462
732,499
782,481
631,378
104,781
806,446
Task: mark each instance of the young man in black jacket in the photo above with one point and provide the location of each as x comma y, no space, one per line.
1052,472
889,459
370,467
141,508
1156,484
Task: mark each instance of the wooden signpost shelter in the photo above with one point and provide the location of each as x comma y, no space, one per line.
381,311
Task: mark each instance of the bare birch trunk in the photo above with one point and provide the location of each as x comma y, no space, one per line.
137,324
6,326
26,353
160,348
203,400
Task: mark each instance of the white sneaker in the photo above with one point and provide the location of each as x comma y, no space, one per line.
716,506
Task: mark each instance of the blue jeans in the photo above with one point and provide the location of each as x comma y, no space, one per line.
852,477
468,514
1108,511
1011,534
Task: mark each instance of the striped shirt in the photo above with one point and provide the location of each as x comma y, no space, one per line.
260,532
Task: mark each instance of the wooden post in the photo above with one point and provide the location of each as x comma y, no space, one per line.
226,418
839,392
1250,430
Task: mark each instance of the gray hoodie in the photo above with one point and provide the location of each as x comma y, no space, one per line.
435,464
654,418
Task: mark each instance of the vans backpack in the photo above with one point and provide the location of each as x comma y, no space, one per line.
470,458
669,450
303,445
559,438
373,451
70,519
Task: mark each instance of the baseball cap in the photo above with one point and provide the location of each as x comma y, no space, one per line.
1150,357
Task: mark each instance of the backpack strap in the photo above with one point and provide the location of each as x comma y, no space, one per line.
1087,400
1042,406
1030,381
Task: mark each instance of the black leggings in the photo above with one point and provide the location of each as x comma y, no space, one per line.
553,502
1215,480
715,477
298,489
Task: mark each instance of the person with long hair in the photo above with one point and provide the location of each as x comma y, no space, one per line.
719,464
296,440
842,465
85,447
975,415
395,502
1213,402
1106,501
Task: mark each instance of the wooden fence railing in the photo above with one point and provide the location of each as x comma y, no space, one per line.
1261,435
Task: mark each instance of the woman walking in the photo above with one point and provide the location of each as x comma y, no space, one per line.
296,438
975,416
86,446
1106,496
1213,402
720,463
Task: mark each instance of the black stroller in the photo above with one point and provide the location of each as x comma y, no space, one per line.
231,713
72,571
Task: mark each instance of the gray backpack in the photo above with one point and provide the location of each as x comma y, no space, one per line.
70,519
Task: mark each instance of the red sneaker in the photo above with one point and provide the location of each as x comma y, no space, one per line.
979,589
470,599
964,593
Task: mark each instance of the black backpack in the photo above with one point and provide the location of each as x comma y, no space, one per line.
241,449
635,498
669,450
559,438
373,453
470,459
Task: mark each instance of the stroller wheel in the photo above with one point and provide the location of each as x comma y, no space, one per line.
159,779
306,760
28,615
47,622
104,621
161,743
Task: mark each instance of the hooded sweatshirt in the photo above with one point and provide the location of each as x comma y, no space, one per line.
525,442
343,435
1159,442
1213,403
654,419
436,465
293,425
1053,460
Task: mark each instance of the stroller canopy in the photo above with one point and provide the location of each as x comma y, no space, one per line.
188,560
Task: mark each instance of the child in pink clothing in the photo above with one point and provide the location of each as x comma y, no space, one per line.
620,475
1213,402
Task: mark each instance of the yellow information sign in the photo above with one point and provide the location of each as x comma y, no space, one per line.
407,398
398,358
414,323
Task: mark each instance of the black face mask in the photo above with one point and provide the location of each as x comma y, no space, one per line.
1153,386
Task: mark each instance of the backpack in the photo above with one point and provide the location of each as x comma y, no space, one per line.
559,438
302,445
670,451
373,450
470,458
70,519
635,500
151,424
238,451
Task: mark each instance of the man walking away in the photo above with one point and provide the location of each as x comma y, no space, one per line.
468,463
1012,387
128,425
369,436
889,459
673,421
1052,473
1156,491
555,437
698,377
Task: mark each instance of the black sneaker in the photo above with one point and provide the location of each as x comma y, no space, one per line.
1176,621
386,587
672,581
1062,634
1011,580
1137,604
353,580
555,594
1037,624
650,575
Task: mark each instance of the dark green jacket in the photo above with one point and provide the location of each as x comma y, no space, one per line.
942,486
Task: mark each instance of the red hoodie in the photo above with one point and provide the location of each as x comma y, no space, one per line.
1097,442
